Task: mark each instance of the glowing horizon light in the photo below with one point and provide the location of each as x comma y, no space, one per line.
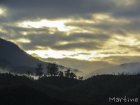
62,54
58,24
21,40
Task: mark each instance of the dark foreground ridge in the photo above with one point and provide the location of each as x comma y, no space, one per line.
21,90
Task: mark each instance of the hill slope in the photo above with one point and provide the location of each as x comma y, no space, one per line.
13,54
14,58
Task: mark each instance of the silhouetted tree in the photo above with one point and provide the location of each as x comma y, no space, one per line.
61,74
67,73
39,70
80,78
72,75
28,72
52,69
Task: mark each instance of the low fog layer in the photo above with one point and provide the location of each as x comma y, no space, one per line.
4,70
128,68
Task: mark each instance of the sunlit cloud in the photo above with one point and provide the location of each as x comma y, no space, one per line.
58,24
21,41
99,55
73,25
101,18
81,55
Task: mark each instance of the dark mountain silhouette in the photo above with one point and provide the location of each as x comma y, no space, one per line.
10,52
14,58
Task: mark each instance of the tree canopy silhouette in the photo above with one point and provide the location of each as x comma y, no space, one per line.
61,74
70,74
39,70
52,69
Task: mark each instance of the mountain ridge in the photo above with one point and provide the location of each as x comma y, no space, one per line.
16,59
125,68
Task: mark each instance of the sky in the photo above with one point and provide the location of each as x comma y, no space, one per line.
84,34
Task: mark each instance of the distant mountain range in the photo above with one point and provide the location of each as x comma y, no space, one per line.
126,68
15,59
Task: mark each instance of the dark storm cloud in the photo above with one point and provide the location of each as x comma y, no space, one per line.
52,41
78,45
128,11
56,8
23,9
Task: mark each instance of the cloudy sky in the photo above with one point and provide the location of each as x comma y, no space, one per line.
83,34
